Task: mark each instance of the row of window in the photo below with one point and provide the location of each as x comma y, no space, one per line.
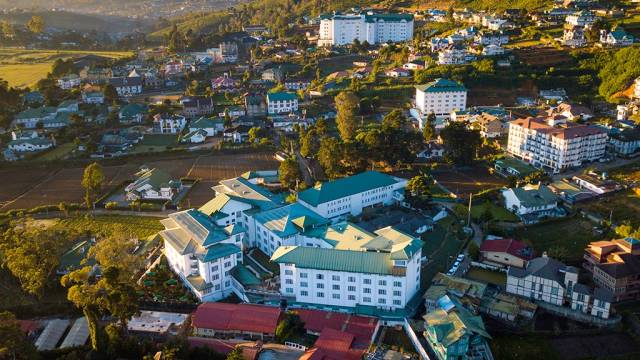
349,297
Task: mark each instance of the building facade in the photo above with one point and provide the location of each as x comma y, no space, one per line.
342,29
555,144
441,97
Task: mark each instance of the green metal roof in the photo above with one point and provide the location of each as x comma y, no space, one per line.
334,260
535,195
281,96
344,187
221,250
37,113
441,85
289,220
245,276
388,17
204,123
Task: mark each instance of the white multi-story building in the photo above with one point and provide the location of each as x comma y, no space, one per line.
282,102
69,82
555,144
581,18
127,86
202,253
548,280
342,29
348,196
349,266
441,97
454,55
169,124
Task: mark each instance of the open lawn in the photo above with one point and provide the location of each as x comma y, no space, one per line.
22,67
472,179
487,276
105,225
57,153
155,143
572,234
340,63
38,185
622,206
498,213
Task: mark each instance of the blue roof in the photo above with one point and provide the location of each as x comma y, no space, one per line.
441,85
289,220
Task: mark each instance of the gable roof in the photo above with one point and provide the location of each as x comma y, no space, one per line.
441,85
289,220
347,186
451,326
237,317
534,195
509,246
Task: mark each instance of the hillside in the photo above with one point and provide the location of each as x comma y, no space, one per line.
283,11
75,21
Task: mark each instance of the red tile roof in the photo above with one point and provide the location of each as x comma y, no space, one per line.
509,246
333,345
566,131
361,327
237,317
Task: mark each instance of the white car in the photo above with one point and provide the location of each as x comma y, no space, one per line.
460,257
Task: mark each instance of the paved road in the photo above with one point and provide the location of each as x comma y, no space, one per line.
598,166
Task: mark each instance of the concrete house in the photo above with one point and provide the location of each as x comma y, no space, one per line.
531,202
153,184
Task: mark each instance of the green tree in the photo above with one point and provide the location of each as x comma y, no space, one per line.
428,128
235,354
13,342
346,106
110,93
474,251
289,173
321,127
36,24
255,133
289,327
460,143
8,31
395,119
417,190
309,144
31,253
330,157
92,181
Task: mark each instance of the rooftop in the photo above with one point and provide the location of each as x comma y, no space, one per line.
237,317
347,186
441,85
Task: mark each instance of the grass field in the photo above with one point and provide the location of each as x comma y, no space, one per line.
572,234
440,247
57,153
22,67
622,206
156,142
497,212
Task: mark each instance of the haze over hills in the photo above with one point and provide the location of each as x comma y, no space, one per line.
148,9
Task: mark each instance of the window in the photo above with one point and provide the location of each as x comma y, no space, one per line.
288,282
320,294
319,276
382,301
351,288
352,297
214,268
304,284
336,287
397,284
288,272
366,281
397,302
382,283
320,286
382,292
366,299
336,296
289,290
303,275
366,291
304,293
335,278
352,279
397,293
216,277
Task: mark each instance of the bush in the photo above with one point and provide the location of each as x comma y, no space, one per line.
111,205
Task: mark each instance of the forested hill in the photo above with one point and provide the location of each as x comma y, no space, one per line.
278,13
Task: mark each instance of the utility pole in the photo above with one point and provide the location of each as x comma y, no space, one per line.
469,211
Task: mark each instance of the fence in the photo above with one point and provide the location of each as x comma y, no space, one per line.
415,341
